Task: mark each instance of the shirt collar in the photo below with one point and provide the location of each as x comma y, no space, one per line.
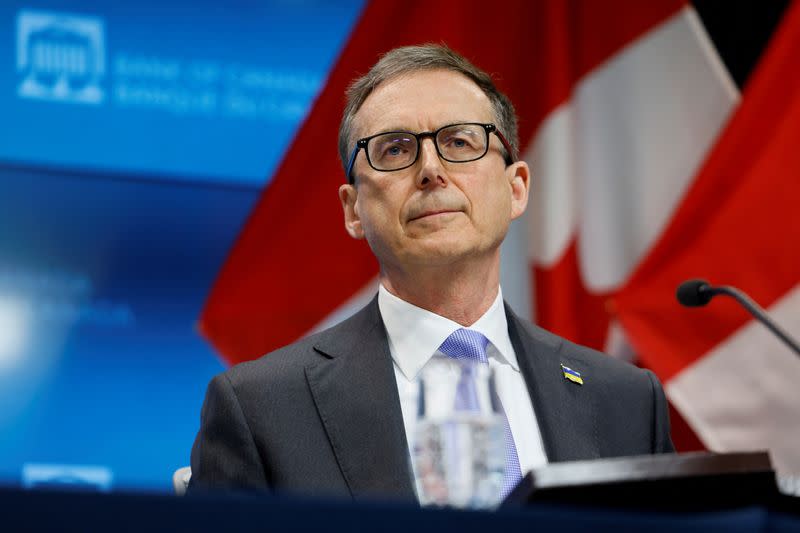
415,334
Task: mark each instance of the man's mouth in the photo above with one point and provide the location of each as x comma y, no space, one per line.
432,213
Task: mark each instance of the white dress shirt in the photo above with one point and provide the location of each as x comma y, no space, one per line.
414,339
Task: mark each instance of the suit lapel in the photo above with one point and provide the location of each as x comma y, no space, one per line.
567,418
355,391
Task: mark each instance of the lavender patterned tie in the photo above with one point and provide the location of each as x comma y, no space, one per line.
470,345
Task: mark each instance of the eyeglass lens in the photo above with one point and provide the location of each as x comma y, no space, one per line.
458,143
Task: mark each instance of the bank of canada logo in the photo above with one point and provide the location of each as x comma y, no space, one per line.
60,57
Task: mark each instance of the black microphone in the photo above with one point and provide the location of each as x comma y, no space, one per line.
698,292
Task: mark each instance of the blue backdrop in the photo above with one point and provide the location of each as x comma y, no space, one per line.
135,138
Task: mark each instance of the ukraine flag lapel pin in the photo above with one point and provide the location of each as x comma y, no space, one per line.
572,375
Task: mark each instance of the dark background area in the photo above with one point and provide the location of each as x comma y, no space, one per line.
740,30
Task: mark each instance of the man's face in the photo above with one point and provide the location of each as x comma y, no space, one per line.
434,212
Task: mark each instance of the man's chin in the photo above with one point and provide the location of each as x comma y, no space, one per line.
441,251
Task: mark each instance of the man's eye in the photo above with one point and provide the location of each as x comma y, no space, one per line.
459,142
394,150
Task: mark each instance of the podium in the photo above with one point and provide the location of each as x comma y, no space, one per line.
625,494
674,482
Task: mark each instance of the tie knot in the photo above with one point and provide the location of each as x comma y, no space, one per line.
466,344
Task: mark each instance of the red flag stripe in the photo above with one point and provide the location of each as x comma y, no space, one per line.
566,307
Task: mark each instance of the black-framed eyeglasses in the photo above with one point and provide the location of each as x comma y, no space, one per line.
457,143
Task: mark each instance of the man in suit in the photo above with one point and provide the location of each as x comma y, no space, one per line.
429,147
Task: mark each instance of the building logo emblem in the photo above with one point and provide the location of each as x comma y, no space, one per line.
60,57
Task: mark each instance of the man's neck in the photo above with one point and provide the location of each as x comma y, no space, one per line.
461,294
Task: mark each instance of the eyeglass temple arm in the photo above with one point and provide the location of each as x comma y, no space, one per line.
506,145
350,164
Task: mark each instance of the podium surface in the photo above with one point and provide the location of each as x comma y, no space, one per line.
672,482
564,496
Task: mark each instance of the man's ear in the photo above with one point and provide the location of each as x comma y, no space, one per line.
519,176
348,194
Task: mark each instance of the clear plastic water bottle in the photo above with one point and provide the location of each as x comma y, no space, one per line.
458,453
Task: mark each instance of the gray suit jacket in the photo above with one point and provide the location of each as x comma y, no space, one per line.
322,416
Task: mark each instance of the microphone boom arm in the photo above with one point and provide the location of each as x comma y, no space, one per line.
756,310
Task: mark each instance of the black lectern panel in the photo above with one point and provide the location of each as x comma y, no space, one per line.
690,481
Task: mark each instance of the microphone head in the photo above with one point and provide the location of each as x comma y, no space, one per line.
694,293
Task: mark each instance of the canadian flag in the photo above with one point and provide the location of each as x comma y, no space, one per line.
622,106
738,224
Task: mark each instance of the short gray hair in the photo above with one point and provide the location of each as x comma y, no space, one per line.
418,58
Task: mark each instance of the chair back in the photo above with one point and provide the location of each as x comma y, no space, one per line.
180,480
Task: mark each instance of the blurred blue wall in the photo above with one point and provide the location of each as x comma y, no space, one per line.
135,138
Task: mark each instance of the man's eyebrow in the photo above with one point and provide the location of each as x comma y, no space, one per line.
382,131
393,129
405,129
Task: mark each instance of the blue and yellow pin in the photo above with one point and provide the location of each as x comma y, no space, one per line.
572,375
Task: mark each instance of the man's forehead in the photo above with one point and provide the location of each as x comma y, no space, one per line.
420,100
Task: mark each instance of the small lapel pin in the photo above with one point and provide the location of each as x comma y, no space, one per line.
572,375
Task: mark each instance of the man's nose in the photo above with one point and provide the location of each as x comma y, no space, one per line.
431,169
